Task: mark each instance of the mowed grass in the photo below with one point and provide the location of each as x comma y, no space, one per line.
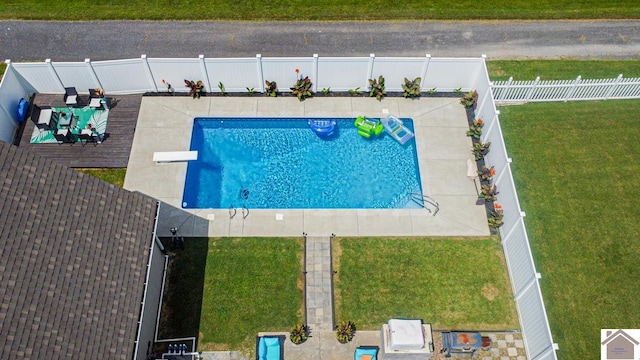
250,285
296,10
450,283
576,167
561,69
114,176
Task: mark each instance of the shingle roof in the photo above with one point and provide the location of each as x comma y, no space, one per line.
73,256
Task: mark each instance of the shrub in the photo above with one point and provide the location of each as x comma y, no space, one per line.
196,88
271,89
475,130
299,334
302,88
345,331
411,88
480,150
376,88
470,99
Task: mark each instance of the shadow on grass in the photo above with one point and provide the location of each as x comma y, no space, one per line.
182,300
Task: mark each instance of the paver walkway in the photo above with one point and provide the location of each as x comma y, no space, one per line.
319,292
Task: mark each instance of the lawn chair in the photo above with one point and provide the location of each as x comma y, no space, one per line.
63,136
270,348
86,136
366,353
71,97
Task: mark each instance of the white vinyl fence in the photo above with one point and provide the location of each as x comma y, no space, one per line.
511,91
515,242
135,76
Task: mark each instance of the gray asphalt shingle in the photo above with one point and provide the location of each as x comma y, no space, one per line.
73,255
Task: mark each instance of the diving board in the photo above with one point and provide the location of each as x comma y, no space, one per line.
174,156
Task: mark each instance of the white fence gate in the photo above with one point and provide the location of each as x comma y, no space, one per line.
511,91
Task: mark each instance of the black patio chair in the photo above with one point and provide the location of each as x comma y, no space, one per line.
63,136
71,97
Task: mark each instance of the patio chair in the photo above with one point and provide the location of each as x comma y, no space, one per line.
43,117
96,99
366,353
71,97
63,136
270,348
86,136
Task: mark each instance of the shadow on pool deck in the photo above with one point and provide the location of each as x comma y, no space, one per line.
165,124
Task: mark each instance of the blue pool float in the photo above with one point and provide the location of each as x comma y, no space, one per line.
23,107
322,128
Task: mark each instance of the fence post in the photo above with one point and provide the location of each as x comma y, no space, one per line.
613,87
531,89
260,73
372,57
425,68
54,73
145,62
315,73
203,68
572,89
505,91
93,73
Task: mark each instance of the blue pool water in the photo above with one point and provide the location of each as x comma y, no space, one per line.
279,163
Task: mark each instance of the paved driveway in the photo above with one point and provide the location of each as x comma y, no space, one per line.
75,41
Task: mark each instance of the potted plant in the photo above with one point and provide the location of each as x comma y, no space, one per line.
195,88
271,89
376,88
480,150
345,331
475,130
299,334
470,99
489,192
411,88
486,173
302,88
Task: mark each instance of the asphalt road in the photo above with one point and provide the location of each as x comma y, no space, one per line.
75,41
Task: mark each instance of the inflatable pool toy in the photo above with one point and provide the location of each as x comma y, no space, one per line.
396,129
322,128
368,127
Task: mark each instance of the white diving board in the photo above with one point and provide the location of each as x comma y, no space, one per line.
174,156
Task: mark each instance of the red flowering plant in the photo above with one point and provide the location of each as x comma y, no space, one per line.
475,129
486,173
302,87
495,217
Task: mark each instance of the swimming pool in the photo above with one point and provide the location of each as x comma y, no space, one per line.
279,163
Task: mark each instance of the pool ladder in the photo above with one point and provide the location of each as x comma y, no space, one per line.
426,202
233,212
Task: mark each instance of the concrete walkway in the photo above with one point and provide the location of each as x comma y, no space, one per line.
442,149
319,289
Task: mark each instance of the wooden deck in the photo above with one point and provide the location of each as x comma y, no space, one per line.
113,152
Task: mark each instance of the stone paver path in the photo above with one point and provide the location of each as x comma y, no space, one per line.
319,295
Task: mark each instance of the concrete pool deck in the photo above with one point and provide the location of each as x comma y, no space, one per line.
165,124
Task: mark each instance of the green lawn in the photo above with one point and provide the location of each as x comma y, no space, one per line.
113,176
450,283
562,69
295,10
250,285
576,167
